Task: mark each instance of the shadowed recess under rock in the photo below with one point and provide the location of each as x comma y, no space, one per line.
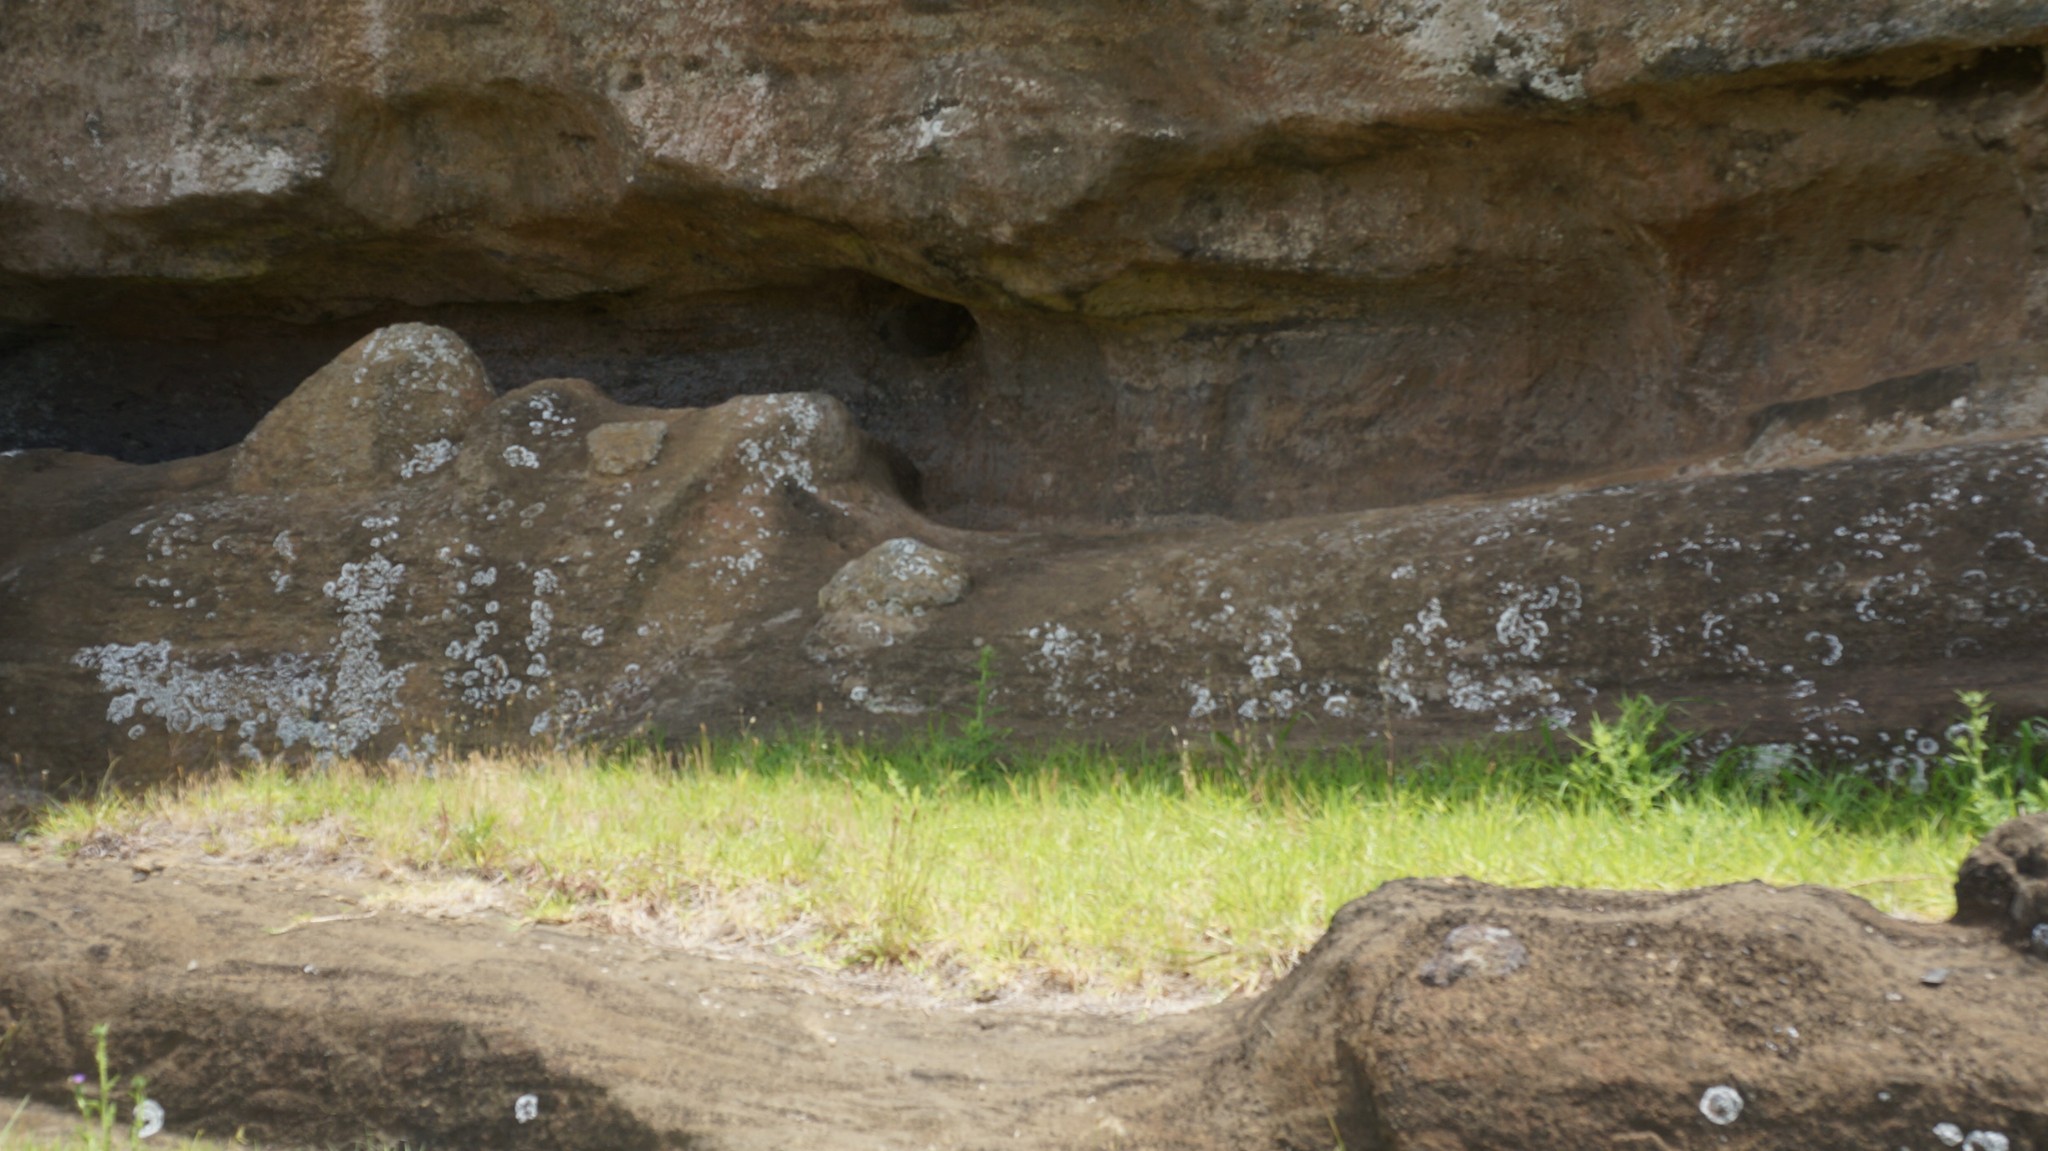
1110,263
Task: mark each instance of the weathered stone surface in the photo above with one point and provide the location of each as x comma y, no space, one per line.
515,592
1633,1021
764,562
901,577
2003,397
1450,368
617,449
1080,263
2004,882
881,598
394,405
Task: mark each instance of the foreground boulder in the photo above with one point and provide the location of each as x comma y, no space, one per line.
2004,882
1445,1015
399,560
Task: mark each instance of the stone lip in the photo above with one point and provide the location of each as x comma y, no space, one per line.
973,121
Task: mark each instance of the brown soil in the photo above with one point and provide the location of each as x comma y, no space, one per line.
1554,1019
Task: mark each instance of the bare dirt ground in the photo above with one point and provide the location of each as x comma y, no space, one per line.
429,1030
269,1000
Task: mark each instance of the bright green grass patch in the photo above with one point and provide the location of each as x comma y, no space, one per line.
1080,868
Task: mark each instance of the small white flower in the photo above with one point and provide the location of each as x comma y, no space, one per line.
1721,1105
1949,1133
526,1108
149,1118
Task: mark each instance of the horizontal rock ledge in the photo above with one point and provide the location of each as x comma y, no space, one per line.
371,574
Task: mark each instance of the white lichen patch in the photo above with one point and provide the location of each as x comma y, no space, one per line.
1079,671
1467,39
1401,669
1506,679
427,459
540,618
426,358
365,693
224,166
330,703
1521,626
520,456
545,419
781,451
1272,667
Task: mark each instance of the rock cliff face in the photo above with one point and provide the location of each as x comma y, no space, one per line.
1446,363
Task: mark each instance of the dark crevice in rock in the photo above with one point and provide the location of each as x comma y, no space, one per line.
923,327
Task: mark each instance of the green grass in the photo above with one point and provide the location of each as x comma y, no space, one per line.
1204,869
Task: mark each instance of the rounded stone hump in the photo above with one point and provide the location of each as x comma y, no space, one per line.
797,439
2004,882
900,577
393,407
540,433
881,599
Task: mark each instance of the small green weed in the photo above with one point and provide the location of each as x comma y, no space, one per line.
1629,762
1985,782
976,744
98,1103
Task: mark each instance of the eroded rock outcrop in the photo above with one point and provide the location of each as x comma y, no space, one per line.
2004,882
1074,263
1732,1017
1451,368
1451,1014
398,557
885,597
397,560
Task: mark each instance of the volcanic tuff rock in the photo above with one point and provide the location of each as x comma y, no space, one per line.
883,597
1070,261
1427,368
2004,882
513,579
1738,1017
